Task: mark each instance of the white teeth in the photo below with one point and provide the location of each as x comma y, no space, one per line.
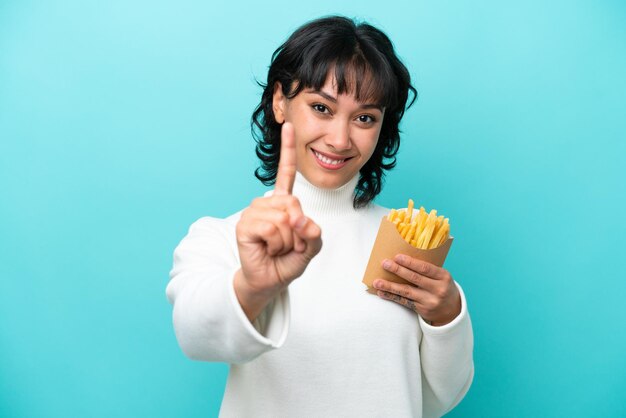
326,159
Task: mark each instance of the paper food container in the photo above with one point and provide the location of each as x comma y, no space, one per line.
388,244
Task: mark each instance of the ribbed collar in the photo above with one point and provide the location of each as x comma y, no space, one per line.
324,203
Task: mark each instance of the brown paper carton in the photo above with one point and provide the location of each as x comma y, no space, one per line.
389,243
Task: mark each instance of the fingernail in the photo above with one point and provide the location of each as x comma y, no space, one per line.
400,258
300,223
376,283
386,264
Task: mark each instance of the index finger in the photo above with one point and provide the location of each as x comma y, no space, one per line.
286,174
423,268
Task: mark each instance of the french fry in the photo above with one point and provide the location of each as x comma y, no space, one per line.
392,215
405,230
409,211
411,233
442,234
421,221
424,238
436,238
439,222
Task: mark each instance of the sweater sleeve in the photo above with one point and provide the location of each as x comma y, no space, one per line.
447,362
209,322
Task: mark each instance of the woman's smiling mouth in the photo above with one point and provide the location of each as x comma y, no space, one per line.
327,162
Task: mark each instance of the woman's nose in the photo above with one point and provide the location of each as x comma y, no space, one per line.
339,138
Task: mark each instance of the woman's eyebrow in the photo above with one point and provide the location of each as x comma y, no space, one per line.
334,100
325,95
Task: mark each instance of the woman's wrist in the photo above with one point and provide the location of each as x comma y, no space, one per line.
251,301
451,316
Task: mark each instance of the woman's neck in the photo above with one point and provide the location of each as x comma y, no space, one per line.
318,203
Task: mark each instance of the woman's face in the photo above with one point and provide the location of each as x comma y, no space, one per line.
335,135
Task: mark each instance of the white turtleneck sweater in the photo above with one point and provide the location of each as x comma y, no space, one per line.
324,347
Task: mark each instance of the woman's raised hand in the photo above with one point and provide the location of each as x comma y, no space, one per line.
276,241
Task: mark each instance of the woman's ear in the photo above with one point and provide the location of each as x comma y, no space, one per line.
278,103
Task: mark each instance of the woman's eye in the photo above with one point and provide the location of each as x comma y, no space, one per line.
366,119
320,108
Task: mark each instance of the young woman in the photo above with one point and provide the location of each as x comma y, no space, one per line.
275,290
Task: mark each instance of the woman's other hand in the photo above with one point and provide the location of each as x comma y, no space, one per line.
431,292
276,241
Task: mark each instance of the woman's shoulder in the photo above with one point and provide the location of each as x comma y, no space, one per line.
211,224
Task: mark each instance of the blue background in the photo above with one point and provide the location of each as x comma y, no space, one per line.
123,122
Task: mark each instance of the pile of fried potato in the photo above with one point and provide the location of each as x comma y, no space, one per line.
425,231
